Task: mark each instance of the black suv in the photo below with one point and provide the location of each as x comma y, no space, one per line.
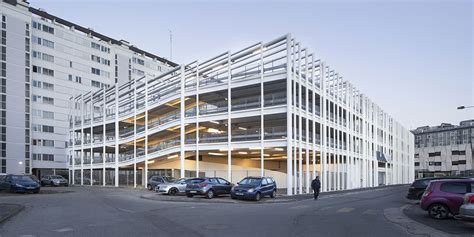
254,188
417,188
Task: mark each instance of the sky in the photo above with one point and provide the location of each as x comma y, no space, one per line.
413,58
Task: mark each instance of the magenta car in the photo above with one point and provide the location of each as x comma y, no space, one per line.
444,197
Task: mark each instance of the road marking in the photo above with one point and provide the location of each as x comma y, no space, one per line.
299,207
345,209
370,212
64,230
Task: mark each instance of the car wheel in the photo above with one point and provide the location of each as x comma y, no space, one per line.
173,192
257,197
149,187
274,193
189,195
438,211
232,196
210,194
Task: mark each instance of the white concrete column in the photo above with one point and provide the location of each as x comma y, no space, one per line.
135,132
229,118
197,119
82,139
300,126
182,123
307,121
92,138
289,126
262,122
117,136
145,170
104,118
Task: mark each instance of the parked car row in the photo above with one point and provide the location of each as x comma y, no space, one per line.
444,197
252,188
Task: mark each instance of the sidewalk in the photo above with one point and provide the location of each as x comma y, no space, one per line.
9,210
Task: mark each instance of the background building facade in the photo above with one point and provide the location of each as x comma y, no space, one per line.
444,150
46,60
271,109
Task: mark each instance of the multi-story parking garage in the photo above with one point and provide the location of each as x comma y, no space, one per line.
270,109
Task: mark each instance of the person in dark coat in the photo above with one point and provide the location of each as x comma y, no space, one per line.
316,186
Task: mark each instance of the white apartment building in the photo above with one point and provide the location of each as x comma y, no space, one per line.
271,109
444,150
45,61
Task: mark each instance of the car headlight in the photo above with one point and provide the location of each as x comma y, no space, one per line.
19,185
251,190
232,189
56,181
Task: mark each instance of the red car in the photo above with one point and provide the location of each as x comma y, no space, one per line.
444,197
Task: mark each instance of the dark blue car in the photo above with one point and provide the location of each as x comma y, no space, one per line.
254,188
20,184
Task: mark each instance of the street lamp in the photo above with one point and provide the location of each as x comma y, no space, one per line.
465,107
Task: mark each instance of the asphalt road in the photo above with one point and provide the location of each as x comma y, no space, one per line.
122,212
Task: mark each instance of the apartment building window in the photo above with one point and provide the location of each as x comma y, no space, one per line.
95,71
27,136
48,29
3,163
3,150
4,69
417,163
4,37
139,61
48,43
48,129
433,154
95,83
138,72
4,53
78,79
48,86
69,77
27,166
48,100
48,115
48,72
48,143
100,47
95,58
3,85
432,163
48,157
455,152
3,134
3,102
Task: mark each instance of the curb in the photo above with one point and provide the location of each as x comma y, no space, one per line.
18,208
396,216
207,201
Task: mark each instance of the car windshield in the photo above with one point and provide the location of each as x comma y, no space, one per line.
168,179
21,178
250,181
56,177
180,180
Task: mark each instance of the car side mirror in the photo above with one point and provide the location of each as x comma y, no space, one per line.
238,183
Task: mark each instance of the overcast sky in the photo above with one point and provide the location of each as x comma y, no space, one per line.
413,58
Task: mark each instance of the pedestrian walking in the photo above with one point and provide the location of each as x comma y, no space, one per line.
316,186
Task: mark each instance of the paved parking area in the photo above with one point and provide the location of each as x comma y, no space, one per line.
450,225
99,211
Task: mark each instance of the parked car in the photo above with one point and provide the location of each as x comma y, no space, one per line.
54,180
466,211
254,188
20,183
209,187
173,188
417,188
156,180
444,197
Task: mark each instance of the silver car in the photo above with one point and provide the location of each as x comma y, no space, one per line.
466,211
173,188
